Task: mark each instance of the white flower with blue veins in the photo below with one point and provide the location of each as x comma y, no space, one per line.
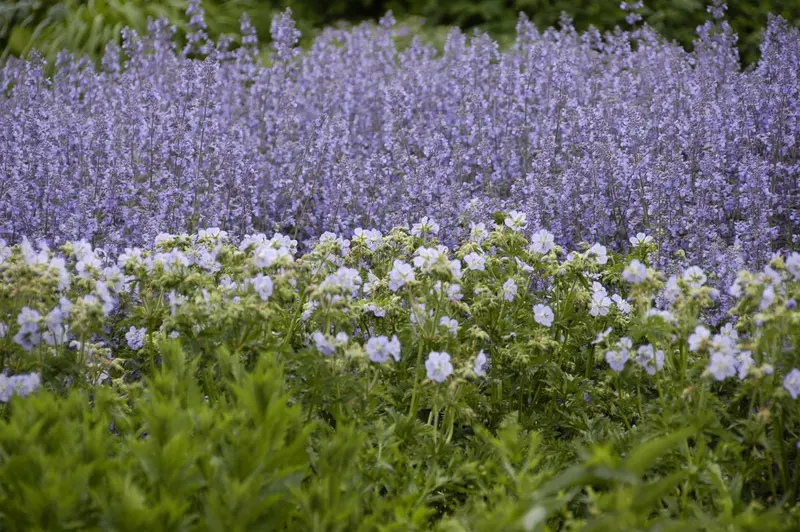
516,221
481,362
509,289
135,337
424,227
640,239
543,315
438,366
791,383
616,359
694,276
477,232
599,253
635,272
401,274
263,286
542,242
601,304
475,262
380,348
699,338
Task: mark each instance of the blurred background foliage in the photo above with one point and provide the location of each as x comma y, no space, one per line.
84,26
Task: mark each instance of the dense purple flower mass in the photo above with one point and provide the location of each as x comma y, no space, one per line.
594,137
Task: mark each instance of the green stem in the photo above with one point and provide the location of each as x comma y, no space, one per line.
413,409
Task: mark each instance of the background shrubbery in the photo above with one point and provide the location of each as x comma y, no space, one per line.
81,25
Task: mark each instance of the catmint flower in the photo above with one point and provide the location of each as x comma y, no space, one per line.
543,315
650,359
600,304
401,273
599,253
478,232
698,338
722,366
509,289
694,276
450,323
617,359
475,262
640,239
380,348
480,364
135,337
424,227
635,272
542,242
791,304
516,221
438,366
792,383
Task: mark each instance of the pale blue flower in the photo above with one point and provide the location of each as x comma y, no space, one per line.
543,315
438,366
792,383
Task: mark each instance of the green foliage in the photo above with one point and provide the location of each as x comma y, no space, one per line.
85,26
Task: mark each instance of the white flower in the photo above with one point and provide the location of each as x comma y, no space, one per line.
729,331
542,242
401,273
617,359
377,311
262,284
543,315
694,276
3,330
371,237
599,252
265,256
509,289
635,272
455,268
477,232
700,336
450,323
671,289
602,336
640,239
212,233
438,366
767,297
323,345
480,364
135,337
744,361
516,221
622,305
425,226
722,366
793,264
380,348
650,359
28,320
600,304
792,383
475,262
454,292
